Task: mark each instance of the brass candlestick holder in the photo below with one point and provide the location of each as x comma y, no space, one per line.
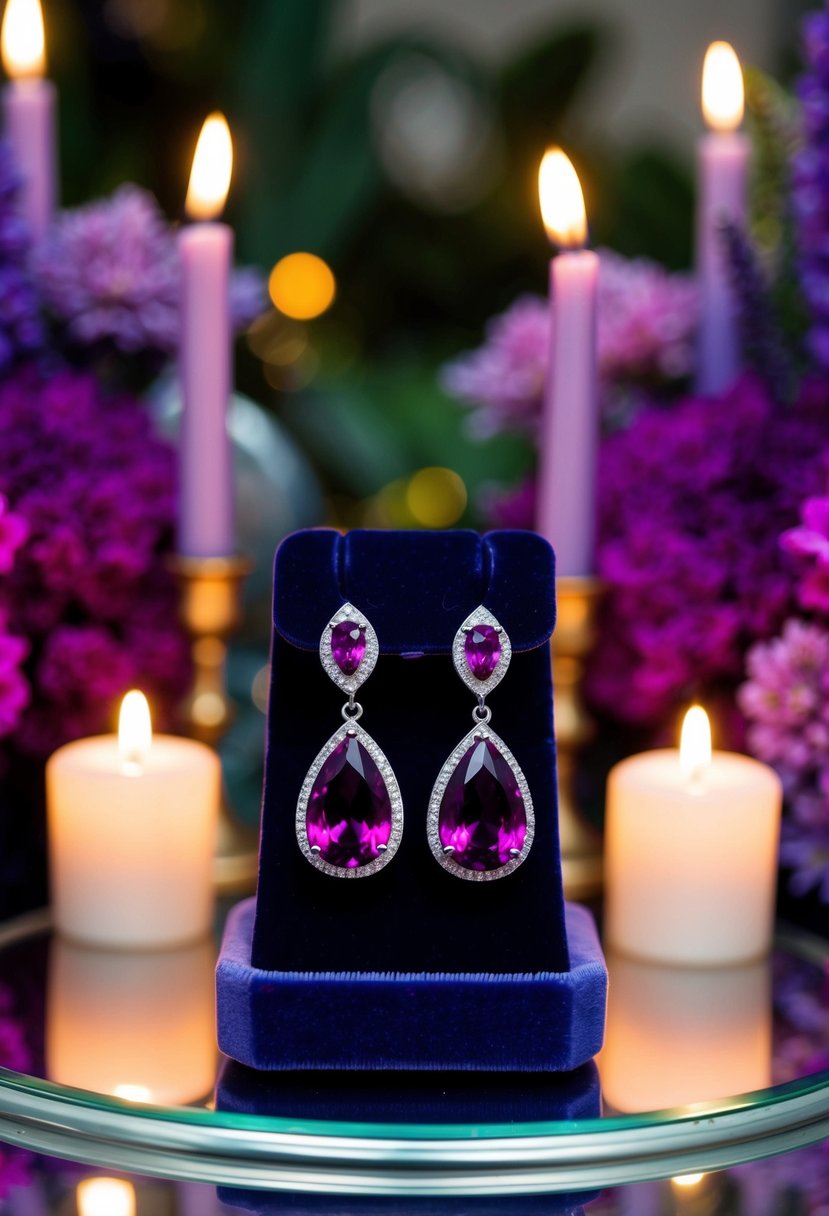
211,610
581,846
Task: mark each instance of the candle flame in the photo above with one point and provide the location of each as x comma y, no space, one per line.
695,744
106,1197
22,40
562,201
212,167
135,732
723,94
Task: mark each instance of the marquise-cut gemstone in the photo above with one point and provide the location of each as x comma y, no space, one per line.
349,808
482,815
348,645
482,648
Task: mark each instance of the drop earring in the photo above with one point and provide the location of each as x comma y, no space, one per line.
480,823
349,816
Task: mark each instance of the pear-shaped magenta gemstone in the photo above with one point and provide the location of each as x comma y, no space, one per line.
348,645
349,809
482,648
482,816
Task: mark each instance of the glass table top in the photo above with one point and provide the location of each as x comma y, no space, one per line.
110,1059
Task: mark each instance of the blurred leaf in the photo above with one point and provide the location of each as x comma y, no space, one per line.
539,87
365,432
649,209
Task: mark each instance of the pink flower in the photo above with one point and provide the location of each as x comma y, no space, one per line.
646,324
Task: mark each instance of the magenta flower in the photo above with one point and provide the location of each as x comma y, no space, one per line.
90,608
811,541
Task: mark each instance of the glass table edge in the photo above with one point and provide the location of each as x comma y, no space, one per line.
806,945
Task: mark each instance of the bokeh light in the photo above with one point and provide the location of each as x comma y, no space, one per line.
436,497
302,286
106,1197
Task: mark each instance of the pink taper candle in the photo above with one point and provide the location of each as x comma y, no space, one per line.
29,111
206,251
723,156
569,428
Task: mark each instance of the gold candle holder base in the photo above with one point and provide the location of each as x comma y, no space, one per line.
581,846
211,609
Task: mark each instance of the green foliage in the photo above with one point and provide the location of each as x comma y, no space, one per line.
650,208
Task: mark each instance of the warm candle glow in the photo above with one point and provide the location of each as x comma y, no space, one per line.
562,201
687,1180
132,1093
135,731
695,744
22,39
212,166
723,95
106,1197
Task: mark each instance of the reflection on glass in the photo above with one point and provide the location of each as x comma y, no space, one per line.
676,1036
106,1197
136,1026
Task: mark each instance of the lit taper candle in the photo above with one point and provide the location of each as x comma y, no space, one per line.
206,249
723,158
29,105
569,430
691,842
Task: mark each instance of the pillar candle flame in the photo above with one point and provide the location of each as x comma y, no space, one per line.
22,40
695,745
212,167
562,200
723,93
135,732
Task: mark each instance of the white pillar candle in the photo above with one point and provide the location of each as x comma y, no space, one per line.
29,104
680,1035
134,1025
132,832
206,252
723,157
691,843
570,423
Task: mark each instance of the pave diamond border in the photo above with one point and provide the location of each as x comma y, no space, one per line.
395,798
349,684
481,688
433,814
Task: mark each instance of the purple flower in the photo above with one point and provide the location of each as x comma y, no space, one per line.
88,597
692,499
110,273
646,322
21,330
13,532
810,184
786,703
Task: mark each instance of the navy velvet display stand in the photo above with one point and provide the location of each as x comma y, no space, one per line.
410,968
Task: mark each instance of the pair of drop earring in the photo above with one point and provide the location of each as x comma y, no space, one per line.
349,818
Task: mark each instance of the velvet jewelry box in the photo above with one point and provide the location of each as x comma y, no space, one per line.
410,967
